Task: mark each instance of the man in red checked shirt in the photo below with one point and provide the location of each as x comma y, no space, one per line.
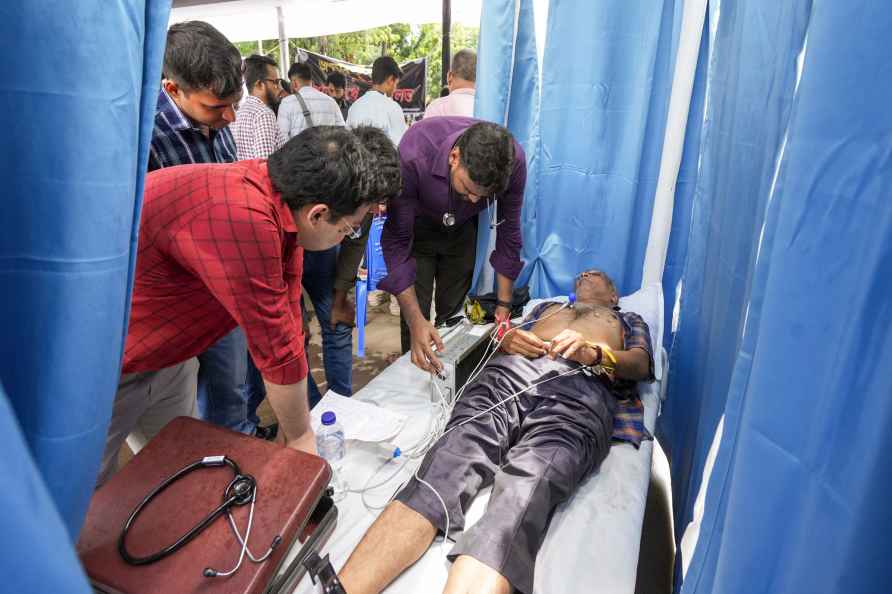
220,246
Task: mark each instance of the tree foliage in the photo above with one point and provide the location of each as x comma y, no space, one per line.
403,42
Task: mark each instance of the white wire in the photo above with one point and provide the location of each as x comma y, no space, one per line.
498,344
244,542
443,503
503,401
437,422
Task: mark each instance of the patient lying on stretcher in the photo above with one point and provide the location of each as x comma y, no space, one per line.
535,449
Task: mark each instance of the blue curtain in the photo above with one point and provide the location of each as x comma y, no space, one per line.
593,136
34,556
507,85
750,89
798,498
78,87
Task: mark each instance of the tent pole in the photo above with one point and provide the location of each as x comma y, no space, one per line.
447,27
284,62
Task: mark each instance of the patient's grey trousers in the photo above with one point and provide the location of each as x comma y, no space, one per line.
534,450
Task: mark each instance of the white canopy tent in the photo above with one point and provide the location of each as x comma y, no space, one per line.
250,20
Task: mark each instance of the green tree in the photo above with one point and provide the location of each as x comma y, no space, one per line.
403,42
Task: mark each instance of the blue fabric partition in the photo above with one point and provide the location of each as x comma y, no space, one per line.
77,116
507,84
750,90
607,75
799,496
34,555
593,136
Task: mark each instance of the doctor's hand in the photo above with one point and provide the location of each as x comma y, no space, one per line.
423,335
304,443
524,342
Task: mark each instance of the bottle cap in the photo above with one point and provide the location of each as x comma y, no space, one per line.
328,418
571,298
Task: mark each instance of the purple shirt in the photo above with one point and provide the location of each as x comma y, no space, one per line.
424,152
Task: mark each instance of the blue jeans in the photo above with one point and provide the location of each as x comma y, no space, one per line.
229,385
337,344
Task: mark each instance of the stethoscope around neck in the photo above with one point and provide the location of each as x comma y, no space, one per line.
241,490
449,215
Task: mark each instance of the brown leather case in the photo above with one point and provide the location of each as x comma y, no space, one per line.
289,485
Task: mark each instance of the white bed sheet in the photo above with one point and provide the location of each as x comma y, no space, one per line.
593,539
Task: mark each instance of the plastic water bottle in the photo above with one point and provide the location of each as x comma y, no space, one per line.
330,445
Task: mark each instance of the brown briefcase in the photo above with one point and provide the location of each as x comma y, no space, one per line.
290,484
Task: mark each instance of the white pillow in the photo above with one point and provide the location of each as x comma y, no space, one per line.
647,302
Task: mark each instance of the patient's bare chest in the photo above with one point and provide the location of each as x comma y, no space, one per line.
595,322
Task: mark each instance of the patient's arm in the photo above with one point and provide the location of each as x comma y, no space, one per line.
632,364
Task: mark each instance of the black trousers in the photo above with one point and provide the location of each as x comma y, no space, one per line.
535,450
445,255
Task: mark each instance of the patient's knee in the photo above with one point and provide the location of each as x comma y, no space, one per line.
470,576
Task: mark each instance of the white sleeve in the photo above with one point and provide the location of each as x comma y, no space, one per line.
397,124
351,116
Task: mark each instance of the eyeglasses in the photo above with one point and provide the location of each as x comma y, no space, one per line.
353,233
276,81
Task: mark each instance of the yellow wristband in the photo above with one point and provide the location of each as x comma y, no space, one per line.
606,353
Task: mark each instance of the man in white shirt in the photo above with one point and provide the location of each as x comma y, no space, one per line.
376,108
461,79
307,107
256,133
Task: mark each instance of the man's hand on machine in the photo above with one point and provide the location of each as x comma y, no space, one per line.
524,342
423,336
571,345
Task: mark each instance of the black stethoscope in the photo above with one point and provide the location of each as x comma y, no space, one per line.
449,215
241,490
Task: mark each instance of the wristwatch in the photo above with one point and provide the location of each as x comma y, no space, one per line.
505,304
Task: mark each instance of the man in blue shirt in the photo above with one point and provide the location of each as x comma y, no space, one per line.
202,84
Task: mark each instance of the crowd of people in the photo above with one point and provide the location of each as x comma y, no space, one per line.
261,190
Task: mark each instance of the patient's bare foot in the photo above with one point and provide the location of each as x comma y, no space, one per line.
470,576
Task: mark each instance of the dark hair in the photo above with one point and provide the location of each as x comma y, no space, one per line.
199,57
444,92
286,84
487,151
300,70
387,180
337,80
464,65
384,67
256,69
323,165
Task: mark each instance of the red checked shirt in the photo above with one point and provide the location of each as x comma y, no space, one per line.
217,249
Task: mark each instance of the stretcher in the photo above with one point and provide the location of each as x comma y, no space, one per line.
593,539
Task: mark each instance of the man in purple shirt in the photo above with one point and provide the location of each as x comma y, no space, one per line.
452,168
